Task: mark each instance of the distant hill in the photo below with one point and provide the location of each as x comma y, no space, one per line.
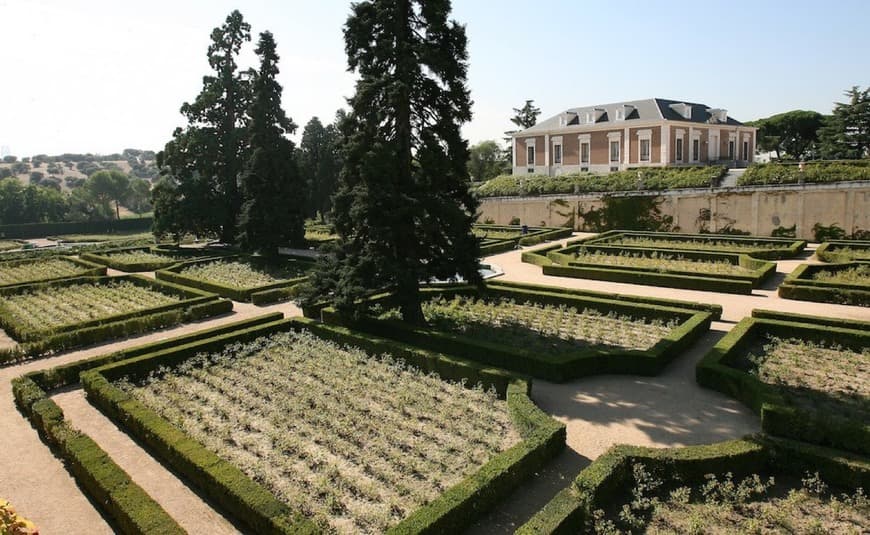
67,171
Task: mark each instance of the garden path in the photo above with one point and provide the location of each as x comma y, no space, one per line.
668,410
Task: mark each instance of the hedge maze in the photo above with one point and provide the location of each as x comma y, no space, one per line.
138,259
31,270
846,284
502,238
841,251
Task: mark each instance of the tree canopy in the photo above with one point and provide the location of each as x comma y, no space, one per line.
403,210
486,161
320,163
527,116
846,134
793,132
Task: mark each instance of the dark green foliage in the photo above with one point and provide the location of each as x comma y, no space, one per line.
41,230
272,188
801,285
814,172
30,204
527,116
403,210
320,162
629,213
650,178
823,233
201,165
793,133
131,509
108,186
486,161
784,232
139,196
846,134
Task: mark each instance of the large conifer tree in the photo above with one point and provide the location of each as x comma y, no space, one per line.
273,191
403,209
202,163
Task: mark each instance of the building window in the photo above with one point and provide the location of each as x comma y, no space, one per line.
679,154
696,150
530,155
731,149
644,150
557,154
614,151
746,150
584,153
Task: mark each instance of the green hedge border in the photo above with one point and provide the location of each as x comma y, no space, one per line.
195,305
109,486
103,257
534,236
90,269
561,262
172,274
255,507
799,285
827,251
778,416
558,368
794,246
609,477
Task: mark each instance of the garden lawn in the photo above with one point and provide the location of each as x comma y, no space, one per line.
355,442
47,309
40,270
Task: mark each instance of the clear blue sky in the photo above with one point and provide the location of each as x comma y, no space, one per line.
100,76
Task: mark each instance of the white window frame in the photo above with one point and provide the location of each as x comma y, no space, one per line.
557,142
746,147
680,145
614,137
644,136
693,155
585,139
530,145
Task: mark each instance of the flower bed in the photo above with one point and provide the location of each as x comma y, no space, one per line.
500,238
252,279
137,259
375,445
757,247
847,283
841,251
757,485
694,270
807,378
27,271
72,312
551,335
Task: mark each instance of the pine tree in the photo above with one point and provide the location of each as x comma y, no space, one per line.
527,116
273,191
403,209
320,164
203,161
846,134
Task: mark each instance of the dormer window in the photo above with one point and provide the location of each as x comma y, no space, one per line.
718,115
624,111
593,116
683,109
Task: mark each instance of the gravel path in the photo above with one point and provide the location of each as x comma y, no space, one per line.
662,411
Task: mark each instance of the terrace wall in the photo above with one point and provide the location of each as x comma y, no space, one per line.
757,210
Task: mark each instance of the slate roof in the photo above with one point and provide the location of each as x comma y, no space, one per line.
651,109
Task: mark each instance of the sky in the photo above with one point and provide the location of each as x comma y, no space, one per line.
103,75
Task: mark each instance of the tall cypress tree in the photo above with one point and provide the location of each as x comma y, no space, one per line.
320,163
202,163
403,209
273,190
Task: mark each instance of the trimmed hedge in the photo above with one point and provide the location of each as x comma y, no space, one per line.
171,254
767,248
841,323
130,508
563,263
254,506
780,416
800,285
534,236
558,367
814,172
41,230
173,274
89,269
832,251
195,305
609,477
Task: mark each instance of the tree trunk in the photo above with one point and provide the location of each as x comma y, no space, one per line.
408,295
117,210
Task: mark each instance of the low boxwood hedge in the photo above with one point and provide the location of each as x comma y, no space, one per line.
254,506
533,236
173,274
88,269
779,414
838,251
173,255
194,305
758,247
125,503
609,477
553,367
800,285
